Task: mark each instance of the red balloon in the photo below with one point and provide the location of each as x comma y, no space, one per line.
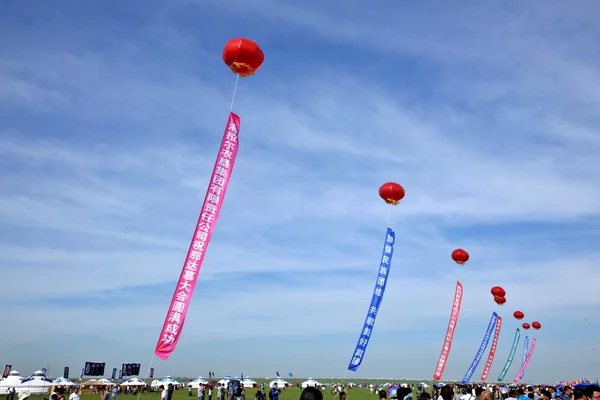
497,291
519,315
243,56
460,256
500,300
391,193
536,325
526,326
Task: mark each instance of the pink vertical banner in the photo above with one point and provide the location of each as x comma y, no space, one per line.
490,359
441,364
173,326
522,370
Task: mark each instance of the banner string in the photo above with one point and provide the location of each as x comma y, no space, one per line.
237,79
147,374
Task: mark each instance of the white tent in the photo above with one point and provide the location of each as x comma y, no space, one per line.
310,382
62,382
155,383
197,382
105,381
225,380
13,379
134,382
165,382
37,383
280,382
249,383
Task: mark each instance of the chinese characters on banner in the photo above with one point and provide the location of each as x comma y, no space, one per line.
511,355
522,370
525,347
441,364
482,347
380,284
171,330
490,359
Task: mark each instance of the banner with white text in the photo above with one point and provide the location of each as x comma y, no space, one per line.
511,355
482,347
175,319
492,354
378,292
447,345
521,372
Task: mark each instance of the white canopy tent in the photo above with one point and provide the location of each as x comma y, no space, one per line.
197,382
279,381
134,382
249,383
310,382
165,382
105,381
62,382
13,379
37,383
225,380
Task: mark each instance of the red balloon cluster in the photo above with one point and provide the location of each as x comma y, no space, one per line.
460,256
535,325
499,295
391,193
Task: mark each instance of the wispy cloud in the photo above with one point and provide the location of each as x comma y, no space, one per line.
485,114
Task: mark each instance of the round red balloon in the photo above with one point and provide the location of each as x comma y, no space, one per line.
519,315
460,256
391,193
497,291
500,300
536,325
243,56
526,326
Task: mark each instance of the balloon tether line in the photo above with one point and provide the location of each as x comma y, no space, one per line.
389,216
147,374
237,79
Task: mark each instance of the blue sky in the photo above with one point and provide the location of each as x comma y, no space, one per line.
112,113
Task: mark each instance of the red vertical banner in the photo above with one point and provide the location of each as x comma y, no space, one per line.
441,364
217,187
490,359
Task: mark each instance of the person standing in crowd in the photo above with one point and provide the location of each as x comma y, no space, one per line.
447,393
75,394
163,392
114,393
274,392
200,392
221,392
170,389
210,392
567,393
311,393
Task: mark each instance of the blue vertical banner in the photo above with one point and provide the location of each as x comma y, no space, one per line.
525,349
380,284
482,347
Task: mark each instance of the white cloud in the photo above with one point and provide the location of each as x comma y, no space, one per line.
100,194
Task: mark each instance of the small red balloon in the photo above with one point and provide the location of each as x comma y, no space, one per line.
500,300
526,326
391,193
497,291
519,315
460,256
536,325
